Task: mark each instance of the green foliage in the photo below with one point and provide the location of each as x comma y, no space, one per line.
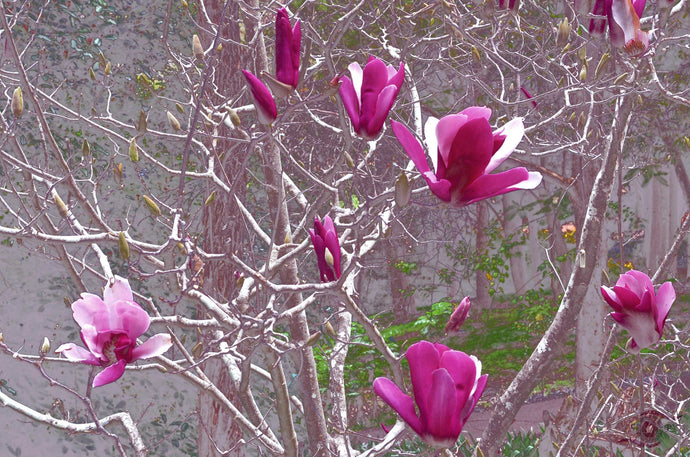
521,445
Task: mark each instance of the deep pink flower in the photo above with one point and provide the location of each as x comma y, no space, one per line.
263,101
288,42
370,94
464,151
109,329
327,247
457,318
447,385
623,17
508,4
638,309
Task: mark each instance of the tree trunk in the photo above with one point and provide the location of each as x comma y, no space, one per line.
222,233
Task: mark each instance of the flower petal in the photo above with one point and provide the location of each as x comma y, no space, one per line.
77,354
664,299
128,317
357,76
611,298
411,145
263,100
374,79
513,132
446,131
90,310
463,370
118,290
423,359
487,186
110,374
384,104
154,346
399,401
470,152
641,326
350,97
442,422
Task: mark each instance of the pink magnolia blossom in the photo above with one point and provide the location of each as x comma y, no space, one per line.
447,385
457,318
327,248
464,151
508,4
109,329
638,309
370,94
288,42
623,17
263,101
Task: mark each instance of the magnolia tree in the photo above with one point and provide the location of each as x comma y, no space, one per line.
216,187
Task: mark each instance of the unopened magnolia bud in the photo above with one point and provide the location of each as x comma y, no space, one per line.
198,349
639,99
234,117
328,328
687,141
313,339
561,82
566,48
197,48
17,102
348,160
621,79
603,64
219,47
101,58
174,123
402,190
141,125
582,54
287,238
62,208
179,108
85,148
476,56
92,74
45,346
66,301
124,247
117,171
108,69
153,207
210,199
583,74
185,5
133,150
1,338
564,29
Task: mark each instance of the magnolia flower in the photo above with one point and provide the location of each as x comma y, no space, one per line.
464,150
638,309
623,18
327,247
287,49
458,317
109,329
263,101
508,4
370,94
447,385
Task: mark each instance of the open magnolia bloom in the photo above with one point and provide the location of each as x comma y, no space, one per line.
370,94
623,18
263,101
638,309
288,41
447,385
109,329
324,237
464,151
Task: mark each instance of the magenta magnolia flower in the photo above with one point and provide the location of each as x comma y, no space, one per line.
508,4
464,150
263,101
623,17
109,329
288,42
457,318
370,94
327,247
447,385
638,309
